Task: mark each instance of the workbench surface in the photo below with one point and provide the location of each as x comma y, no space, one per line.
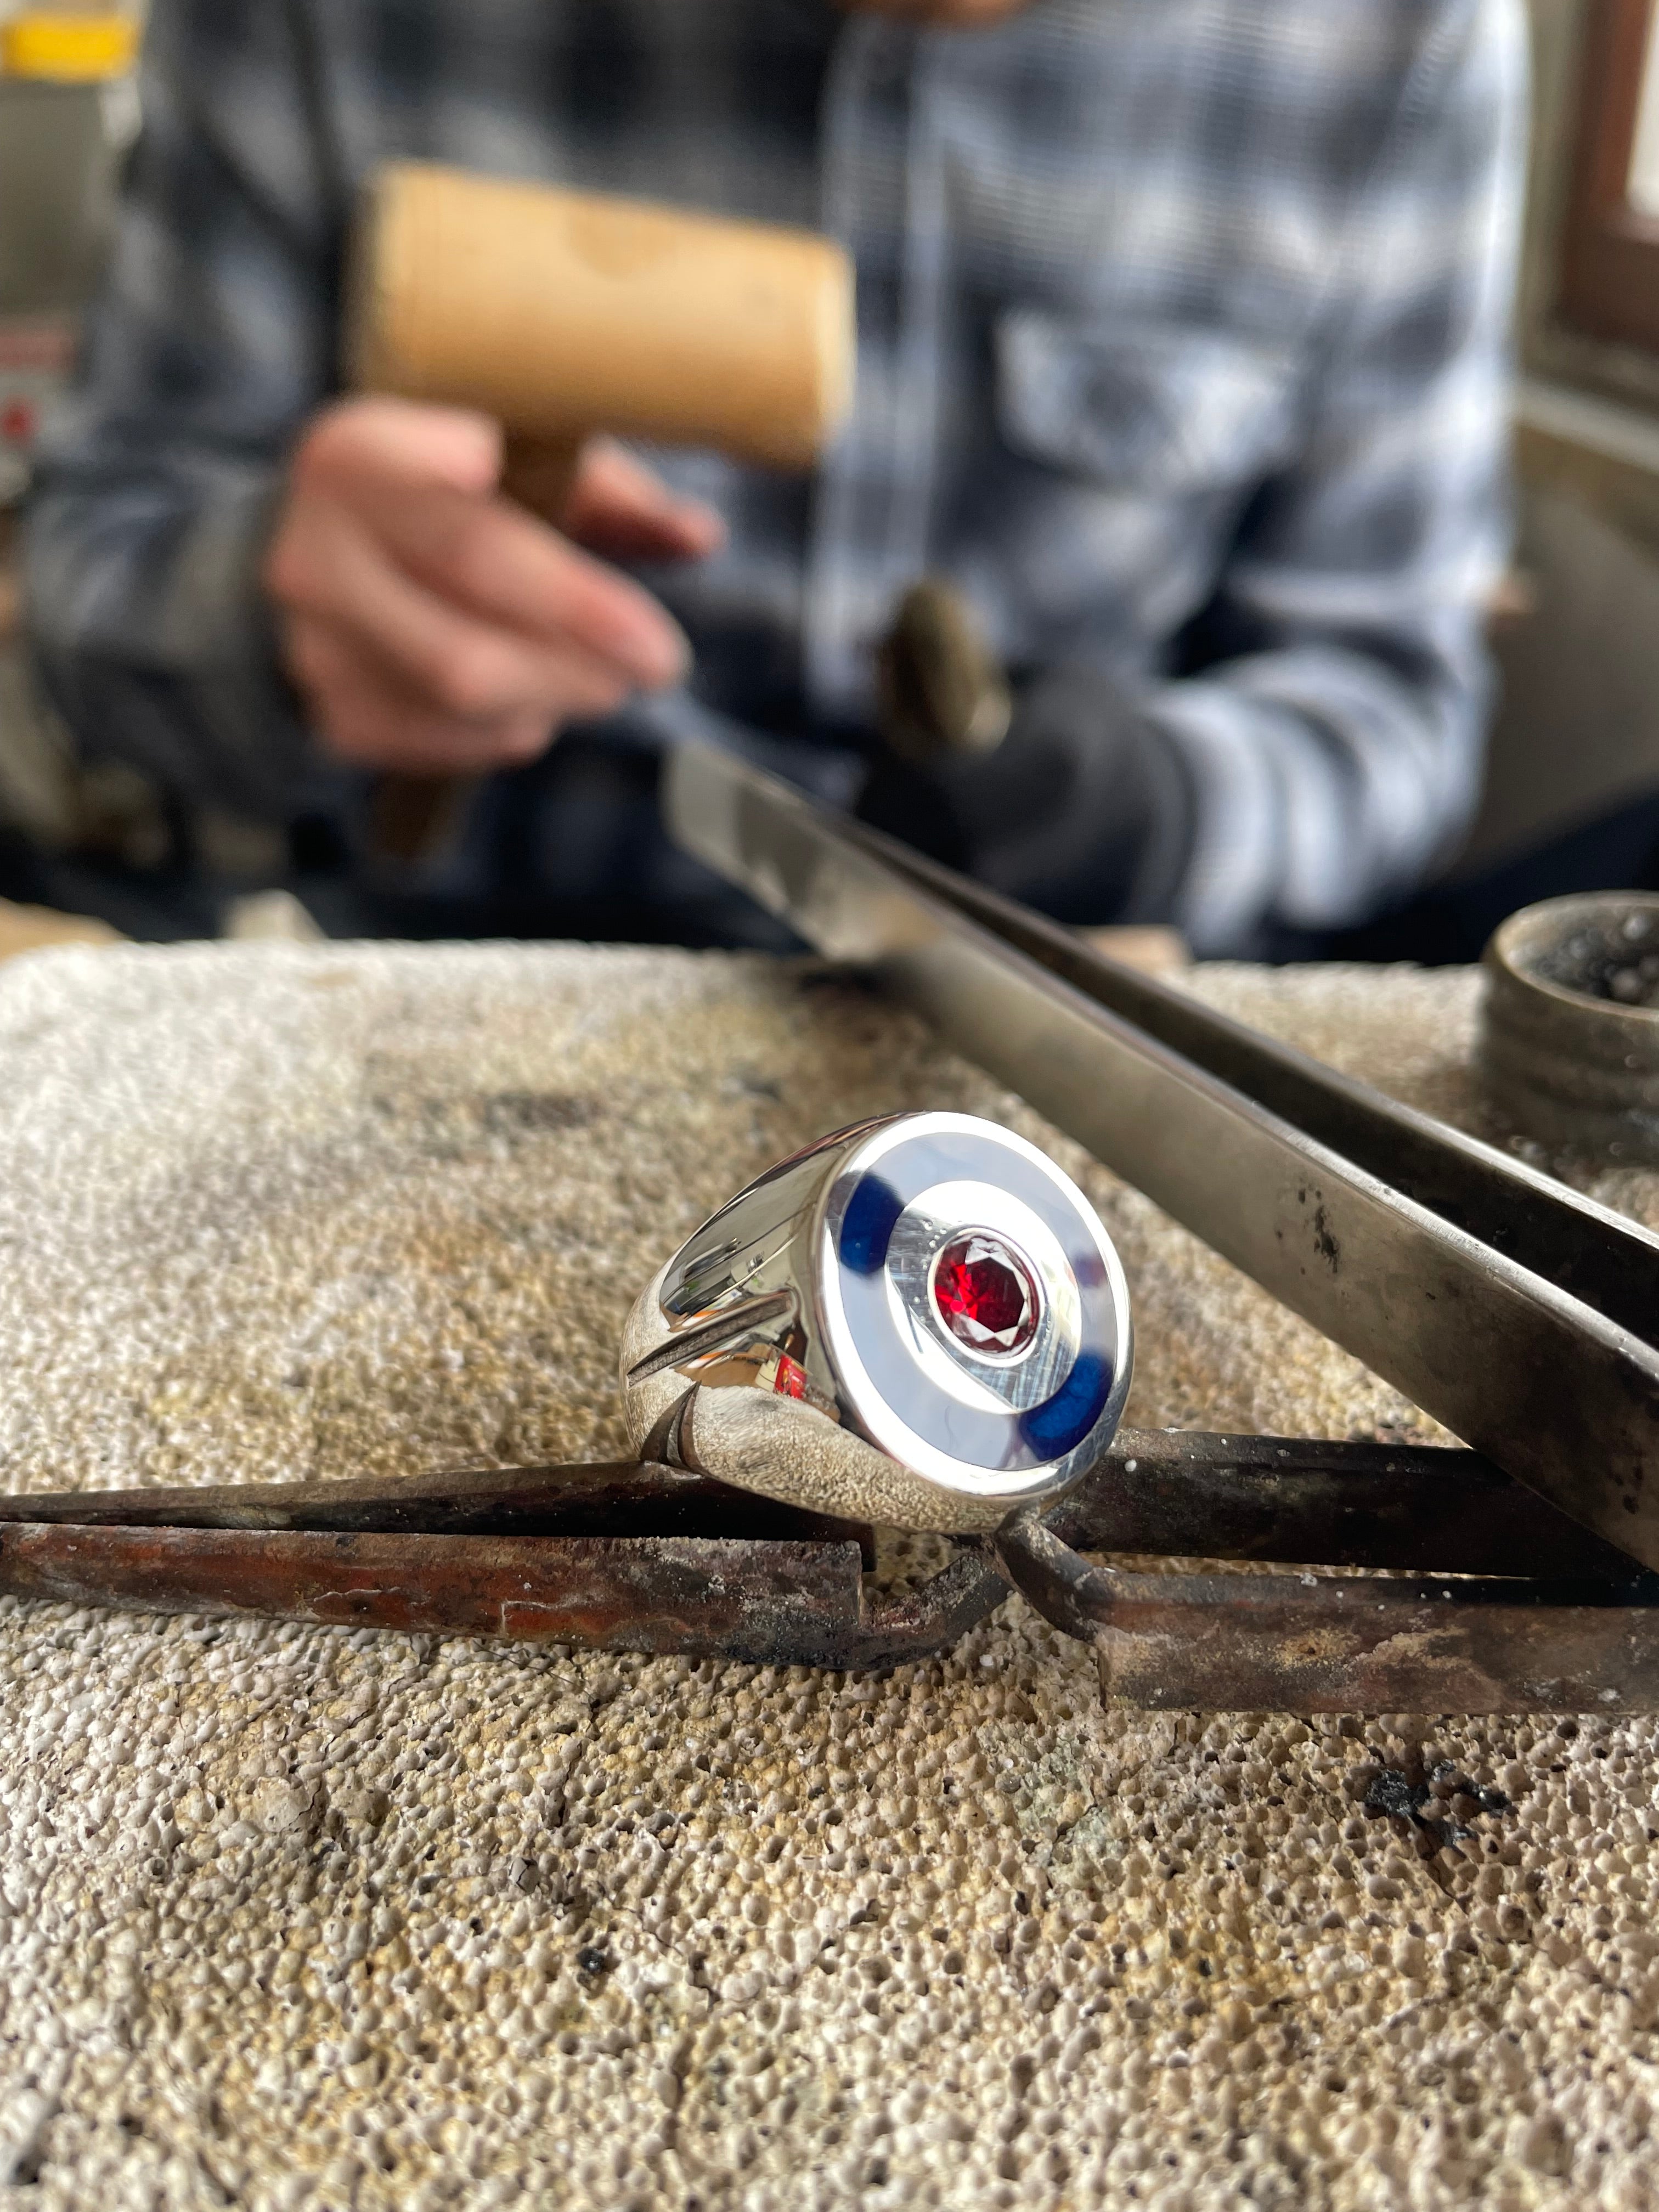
293,1916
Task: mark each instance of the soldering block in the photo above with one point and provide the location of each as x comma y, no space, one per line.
318,1916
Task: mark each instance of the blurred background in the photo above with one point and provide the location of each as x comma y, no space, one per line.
69,110
1576,627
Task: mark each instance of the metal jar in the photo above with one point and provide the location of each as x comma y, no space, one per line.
1570,1046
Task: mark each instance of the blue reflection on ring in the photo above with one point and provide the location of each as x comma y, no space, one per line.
977,1436
867,1226
1059,1424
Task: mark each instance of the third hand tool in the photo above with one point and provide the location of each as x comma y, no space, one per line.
920,1323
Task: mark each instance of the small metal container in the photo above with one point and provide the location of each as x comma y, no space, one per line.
1570,1036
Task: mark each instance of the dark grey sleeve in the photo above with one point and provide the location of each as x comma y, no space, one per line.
211,341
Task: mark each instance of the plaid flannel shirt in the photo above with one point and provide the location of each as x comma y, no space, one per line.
1182,331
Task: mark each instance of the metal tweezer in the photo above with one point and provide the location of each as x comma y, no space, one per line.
645,1558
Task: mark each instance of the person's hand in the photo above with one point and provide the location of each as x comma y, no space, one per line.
433,627
1083,809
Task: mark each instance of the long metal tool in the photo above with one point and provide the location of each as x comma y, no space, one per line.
1512,1309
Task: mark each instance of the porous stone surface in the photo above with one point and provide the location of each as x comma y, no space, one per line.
302,1917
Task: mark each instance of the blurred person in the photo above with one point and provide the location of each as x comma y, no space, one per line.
1182,331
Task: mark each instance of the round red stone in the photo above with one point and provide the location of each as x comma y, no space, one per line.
985,1294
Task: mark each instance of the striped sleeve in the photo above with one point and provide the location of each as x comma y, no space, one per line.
1335,748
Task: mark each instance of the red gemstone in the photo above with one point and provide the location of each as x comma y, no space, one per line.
985,1294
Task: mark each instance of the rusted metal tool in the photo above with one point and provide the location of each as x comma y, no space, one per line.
641,1557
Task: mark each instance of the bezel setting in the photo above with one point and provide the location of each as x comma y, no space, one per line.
980,1421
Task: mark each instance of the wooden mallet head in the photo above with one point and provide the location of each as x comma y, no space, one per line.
566,314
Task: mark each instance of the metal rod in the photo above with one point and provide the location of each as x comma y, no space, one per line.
1328,1643
799,1602
1166,1492
619,1497
1181,1493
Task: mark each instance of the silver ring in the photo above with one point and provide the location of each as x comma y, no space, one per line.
918,1320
